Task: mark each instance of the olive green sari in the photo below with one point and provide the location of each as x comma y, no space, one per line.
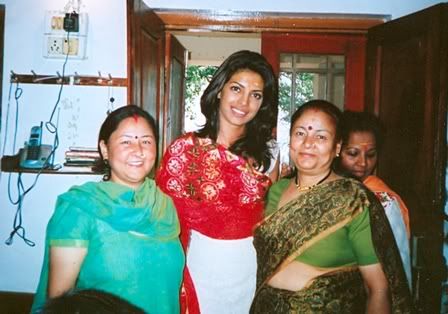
292,229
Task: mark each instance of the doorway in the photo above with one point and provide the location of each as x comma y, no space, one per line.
206,51
308,67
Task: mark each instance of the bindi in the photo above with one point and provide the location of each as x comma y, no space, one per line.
310,128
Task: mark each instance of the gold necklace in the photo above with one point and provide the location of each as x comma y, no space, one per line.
306,188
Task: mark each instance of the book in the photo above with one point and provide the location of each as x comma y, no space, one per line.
83,148
79,164
85,154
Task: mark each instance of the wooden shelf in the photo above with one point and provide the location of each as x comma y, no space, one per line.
74,79
11,164
63,170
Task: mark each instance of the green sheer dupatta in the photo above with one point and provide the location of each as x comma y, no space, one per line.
146,211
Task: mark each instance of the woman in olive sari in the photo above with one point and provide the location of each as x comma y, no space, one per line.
315,249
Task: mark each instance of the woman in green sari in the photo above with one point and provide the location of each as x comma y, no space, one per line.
316,252
120,235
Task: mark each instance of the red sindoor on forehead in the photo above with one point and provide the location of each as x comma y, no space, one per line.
135,116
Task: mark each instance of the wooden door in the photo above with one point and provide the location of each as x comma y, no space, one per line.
406,85
173,113
146,57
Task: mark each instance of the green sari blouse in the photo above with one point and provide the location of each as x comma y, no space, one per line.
347,246
132,241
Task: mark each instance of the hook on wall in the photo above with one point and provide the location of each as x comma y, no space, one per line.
76,78
34,75
13,77
100,78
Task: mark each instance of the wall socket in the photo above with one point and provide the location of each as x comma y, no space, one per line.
59,46
55,45
72,48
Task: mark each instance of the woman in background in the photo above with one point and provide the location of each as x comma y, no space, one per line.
216,181
362,138
324,245
120,235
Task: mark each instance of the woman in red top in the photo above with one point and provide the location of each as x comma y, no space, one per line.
215,177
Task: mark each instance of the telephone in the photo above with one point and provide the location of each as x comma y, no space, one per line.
35,155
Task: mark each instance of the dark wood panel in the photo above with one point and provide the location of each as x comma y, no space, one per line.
407,87
146,57
174,82
15,302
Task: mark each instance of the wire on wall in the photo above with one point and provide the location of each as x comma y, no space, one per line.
18,229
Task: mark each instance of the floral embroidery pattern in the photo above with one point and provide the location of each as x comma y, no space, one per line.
214,190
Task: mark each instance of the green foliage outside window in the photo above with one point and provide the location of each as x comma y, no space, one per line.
303,93
195,79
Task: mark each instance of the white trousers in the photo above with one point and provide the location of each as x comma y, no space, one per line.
223,273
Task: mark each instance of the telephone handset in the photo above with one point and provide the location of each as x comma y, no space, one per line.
34,154
34,143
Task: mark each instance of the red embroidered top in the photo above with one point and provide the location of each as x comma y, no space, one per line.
215,191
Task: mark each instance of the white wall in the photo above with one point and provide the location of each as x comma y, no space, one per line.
83,108
395,8
82,111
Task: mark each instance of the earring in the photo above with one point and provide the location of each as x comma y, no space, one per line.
106,170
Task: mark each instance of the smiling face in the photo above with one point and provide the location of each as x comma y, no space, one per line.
131,151
359,155
240,99
312,144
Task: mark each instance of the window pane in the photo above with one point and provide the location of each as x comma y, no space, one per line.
286,61
309,86
310,62
337,63
304,77
338,90
284,113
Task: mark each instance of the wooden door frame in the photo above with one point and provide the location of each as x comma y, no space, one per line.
257,22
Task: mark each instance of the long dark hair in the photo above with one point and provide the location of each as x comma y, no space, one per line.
362,122
109,126
258,131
